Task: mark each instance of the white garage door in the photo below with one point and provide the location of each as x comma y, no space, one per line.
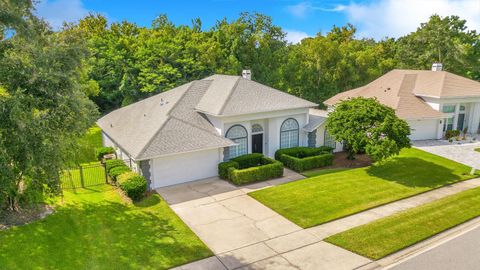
423,129
181,168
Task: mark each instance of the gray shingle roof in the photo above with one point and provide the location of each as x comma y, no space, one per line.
174,121
315,119
234,95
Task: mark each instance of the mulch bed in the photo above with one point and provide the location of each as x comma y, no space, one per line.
25,216
340,161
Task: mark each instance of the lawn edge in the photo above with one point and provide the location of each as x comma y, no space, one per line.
407,246
366,209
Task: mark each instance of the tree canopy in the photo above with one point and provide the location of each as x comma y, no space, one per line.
129,62
365,125
43,103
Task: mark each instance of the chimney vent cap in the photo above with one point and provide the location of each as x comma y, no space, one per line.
437,67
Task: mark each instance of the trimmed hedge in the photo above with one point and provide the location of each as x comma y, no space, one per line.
112,163
250,168
133,184
301,152
102,151
224,166
270,169
307,163
301,159
249,160
117,171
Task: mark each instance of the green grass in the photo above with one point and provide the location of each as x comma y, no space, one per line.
388,235
318,172
87,146
96,229
326,197
92,174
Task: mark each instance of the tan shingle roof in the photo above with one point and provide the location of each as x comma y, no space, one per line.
402,90
174,122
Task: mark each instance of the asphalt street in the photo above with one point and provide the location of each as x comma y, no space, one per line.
460,253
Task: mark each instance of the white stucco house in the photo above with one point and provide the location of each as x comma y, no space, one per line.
182,134
431,101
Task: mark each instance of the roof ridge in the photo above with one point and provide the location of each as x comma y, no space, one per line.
229,95
169,116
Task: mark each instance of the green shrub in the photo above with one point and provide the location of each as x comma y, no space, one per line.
117,171
451,134
301,152
112,163
301,159
133,184
307,163
269,169
224,166
102,151
249,160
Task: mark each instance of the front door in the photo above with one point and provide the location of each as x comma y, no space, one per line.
461,119
257,143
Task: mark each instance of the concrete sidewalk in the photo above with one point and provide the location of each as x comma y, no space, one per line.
245,234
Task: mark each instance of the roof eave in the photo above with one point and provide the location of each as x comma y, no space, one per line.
241,114
182,152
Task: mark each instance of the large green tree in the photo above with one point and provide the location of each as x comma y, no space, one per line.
446,40
43,104
365,125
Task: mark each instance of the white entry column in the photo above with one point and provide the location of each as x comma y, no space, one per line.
474,118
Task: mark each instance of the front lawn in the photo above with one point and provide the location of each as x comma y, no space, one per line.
96,229
385,236
330,196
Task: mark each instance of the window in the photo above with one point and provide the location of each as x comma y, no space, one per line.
289,133
329,140
257,128
448,108
237,134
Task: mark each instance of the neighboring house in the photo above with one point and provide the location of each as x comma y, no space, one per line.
181,135
432,102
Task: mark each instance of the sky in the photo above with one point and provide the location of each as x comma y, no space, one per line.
299,19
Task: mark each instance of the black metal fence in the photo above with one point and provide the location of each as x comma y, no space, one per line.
83,176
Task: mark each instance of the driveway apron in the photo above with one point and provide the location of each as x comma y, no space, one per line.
242,232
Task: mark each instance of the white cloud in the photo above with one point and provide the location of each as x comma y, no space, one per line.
300,10
55,12
294,36
395,18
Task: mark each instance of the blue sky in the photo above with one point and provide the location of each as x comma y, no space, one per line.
373,18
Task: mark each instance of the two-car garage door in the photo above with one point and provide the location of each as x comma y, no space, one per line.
186,167
425,129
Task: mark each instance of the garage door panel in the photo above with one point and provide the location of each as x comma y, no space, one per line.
423,129
182,168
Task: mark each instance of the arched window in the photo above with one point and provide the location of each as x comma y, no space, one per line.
257,128
289,133
237,134
328,140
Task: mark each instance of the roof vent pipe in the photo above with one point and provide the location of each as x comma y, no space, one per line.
247,74
437,67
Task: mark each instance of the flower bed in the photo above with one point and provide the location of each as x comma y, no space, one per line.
133,184
250,168
301,159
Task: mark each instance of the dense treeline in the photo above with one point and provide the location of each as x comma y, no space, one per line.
128,62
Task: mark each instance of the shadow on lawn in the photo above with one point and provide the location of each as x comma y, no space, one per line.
101,235
413,172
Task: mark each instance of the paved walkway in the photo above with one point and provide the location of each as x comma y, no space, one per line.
245,234
463,153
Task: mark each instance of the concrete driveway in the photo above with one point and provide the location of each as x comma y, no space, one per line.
462,153
244,233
